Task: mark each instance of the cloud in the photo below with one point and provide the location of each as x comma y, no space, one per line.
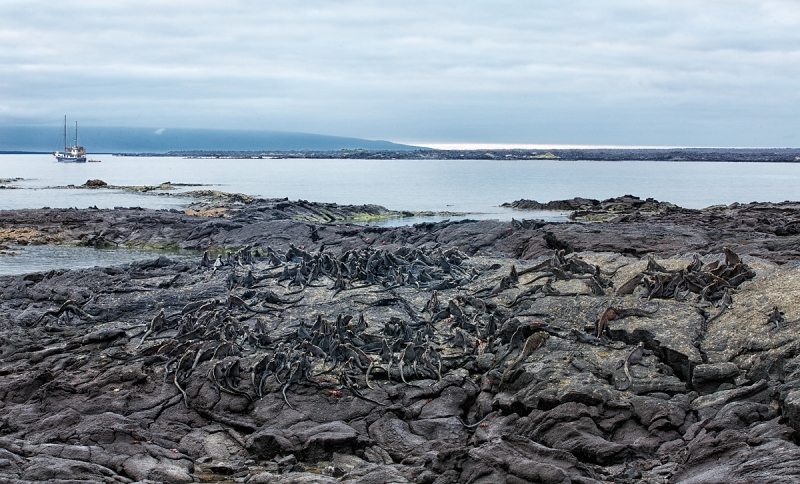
721,72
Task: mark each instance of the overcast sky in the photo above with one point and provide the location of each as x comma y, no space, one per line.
616,72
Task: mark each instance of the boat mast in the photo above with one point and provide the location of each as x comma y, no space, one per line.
65,133
76,134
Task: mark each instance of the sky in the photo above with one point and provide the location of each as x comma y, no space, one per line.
504,72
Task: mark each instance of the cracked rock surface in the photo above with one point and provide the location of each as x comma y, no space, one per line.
449,354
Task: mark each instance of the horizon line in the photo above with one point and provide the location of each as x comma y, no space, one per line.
564,146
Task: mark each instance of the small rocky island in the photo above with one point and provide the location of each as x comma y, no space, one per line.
654,344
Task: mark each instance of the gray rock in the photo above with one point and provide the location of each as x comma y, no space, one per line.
447,404
441,430
380,475
791,409
293,478
48,468
712,372
145,467
395,437
323,441
377,455
269,442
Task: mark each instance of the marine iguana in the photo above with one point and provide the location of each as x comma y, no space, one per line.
633,358
611,313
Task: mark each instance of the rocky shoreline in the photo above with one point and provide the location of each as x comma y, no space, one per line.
215,203
657,345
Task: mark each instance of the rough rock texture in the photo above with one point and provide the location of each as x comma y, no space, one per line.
413,361
769,231
584,208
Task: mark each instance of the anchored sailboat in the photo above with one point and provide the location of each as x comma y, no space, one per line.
71,154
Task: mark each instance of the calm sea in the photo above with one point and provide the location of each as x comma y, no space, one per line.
474,186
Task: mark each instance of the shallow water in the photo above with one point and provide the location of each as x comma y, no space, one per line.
474,186
492,213
41,258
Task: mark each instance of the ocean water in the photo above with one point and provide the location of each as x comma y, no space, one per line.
474,186
471,186
40,258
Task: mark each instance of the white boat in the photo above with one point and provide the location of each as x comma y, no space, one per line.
71,154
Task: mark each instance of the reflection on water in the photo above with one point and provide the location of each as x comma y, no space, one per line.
41,258
500,214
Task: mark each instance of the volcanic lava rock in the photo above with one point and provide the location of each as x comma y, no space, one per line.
415,361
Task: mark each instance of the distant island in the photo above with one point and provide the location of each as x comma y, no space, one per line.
775,155
45,139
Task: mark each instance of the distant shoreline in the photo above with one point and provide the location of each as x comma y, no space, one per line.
773,155
770,155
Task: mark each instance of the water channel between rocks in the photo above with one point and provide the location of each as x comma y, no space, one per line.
18,259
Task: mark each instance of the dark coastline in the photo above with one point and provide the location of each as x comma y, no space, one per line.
659,344
773,155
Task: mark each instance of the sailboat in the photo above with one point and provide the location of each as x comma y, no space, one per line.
71,154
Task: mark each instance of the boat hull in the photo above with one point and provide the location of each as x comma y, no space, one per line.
71,159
